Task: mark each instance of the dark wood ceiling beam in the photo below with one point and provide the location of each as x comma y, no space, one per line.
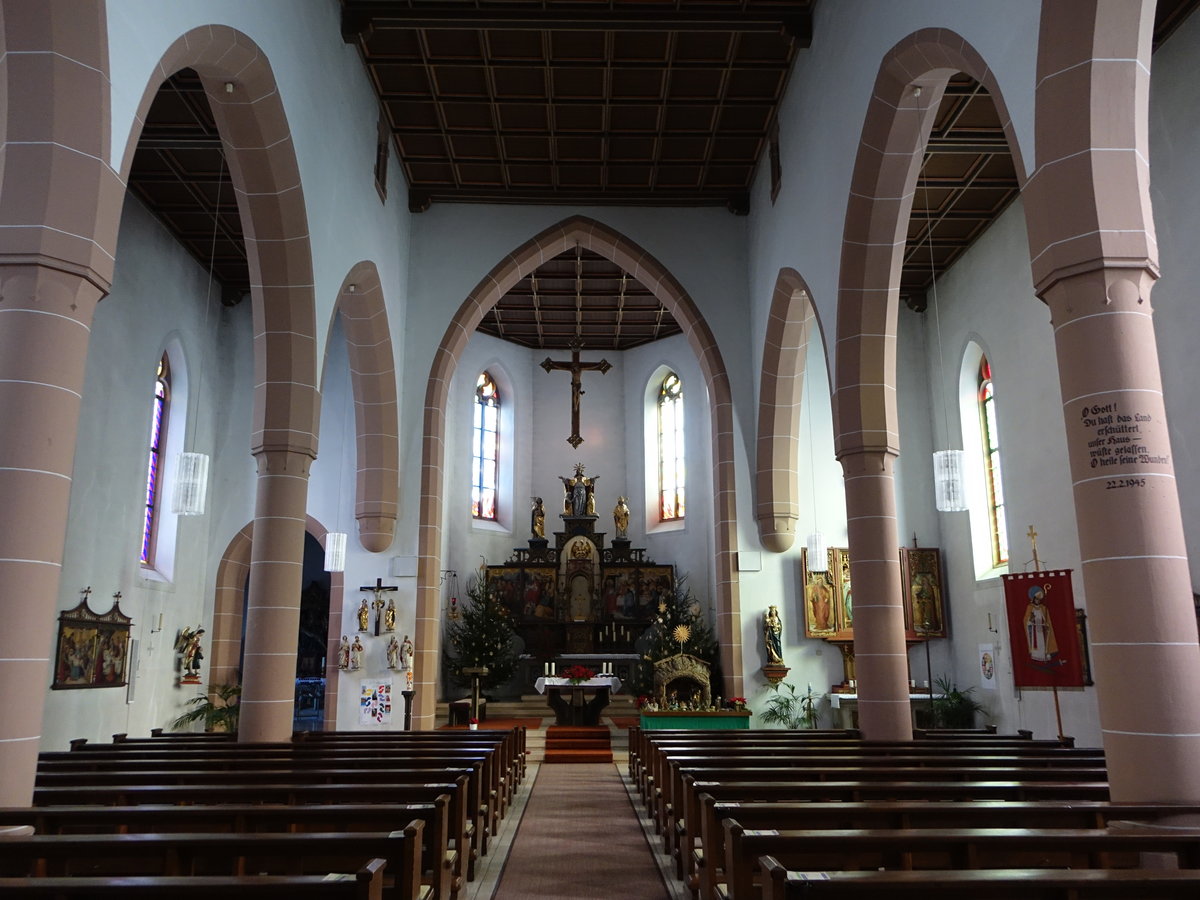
661,197
394,97
360,17
747,65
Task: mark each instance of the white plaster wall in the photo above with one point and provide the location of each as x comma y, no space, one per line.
332,113
821,120
1174,133
158,295
987,297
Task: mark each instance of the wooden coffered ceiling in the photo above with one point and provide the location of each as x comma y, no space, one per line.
583,102
575,101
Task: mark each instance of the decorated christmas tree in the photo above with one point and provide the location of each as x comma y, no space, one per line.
482,635
680,626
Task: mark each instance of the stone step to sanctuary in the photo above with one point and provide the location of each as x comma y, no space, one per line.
578,744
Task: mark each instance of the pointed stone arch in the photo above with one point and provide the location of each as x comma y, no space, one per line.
791,322
228,594
248,110
361,305
598,238
242,92
904,102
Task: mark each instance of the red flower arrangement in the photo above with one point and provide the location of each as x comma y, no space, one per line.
577,674
642,700
738,703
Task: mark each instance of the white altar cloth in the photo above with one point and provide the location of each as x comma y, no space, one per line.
612,682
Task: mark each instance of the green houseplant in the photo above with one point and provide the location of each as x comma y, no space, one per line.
954,708
218,709
792,709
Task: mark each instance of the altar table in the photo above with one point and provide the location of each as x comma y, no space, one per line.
722,720
569,701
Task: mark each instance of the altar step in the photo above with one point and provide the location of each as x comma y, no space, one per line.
578,744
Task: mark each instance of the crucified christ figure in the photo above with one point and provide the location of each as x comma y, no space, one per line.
576,368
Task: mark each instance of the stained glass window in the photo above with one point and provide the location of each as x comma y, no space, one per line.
485,446
671,471
158,428
991,464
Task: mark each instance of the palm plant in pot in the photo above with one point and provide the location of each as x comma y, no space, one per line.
218,709
792,709
954,708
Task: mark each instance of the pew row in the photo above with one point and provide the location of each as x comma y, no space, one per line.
981,884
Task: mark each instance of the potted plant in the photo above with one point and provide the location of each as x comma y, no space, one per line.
218,709
792,709
954,708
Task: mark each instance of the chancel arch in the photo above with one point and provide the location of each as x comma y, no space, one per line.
598,238
793,319
904,101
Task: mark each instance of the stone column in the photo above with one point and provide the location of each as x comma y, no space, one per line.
880,655
273,606
1134,557
45,319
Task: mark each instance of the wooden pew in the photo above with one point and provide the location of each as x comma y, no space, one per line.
313,853
450,876
675,808
365,884
250,818
942,849
878,791
981,884
318,770
708,857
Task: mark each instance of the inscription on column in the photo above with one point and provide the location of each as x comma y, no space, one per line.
1120,436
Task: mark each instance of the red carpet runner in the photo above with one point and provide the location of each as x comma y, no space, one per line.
578,744
579,839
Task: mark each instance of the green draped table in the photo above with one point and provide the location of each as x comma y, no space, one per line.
727,720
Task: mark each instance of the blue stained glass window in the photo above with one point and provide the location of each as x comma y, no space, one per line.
991,464
158,419
671,462
485,448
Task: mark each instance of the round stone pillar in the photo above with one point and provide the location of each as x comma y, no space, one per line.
45,323
1141,616
880,655
273,605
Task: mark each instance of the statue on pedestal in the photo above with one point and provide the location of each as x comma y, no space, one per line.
579,493
621,518
773,635
537,519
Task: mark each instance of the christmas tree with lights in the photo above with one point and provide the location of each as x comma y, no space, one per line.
680,626
482,635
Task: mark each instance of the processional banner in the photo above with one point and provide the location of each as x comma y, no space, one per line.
1041,629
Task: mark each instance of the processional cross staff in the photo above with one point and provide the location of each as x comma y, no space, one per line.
378,589
576,368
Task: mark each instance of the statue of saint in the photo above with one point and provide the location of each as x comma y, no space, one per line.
579,493
389,616
364,616
393,653
621,517
406,654
356,652
537,518
773,636
344,653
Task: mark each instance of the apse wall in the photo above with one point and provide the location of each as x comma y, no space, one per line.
158,299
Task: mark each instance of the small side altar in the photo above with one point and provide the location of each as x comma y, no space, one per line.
571,702
717,720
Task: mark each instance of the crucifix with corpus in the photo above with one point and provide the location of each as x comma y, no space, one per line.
576,368
378,589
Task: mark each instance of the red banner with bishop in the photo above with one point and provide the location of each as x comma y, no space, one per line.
1041,630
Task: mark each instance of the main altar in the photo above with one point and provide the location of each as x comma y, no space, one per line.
576,595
